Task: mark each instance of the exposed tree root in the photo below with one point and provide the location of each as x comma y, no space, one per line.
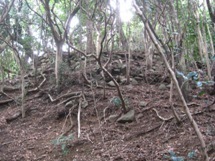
63,96
162,118
14,117
67,100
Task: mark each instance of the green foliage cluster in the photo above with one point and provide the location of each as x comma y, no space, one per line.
62,142
192,155
194,77
7,60
117,102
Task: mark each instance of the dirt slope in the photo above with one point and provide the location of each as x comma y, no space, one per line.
153,135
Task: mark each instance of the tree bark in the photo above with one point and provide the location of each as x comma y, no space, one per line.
120,29
90,47
58,61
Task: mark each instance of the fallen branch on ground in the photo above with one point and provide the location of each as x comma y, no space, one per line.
40,85
9,96
6,101
10,89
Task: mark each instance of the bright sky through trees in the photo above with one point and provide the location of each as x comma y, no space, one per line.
126,12
74,22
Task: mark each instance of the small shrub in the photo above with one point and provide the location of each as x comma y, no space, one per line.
62,141
173,157
117,102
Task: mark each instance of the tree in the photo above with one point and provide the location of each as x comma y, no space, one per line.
58,28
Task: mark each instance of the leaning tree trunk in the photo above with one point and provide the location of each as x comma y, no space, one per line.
162,49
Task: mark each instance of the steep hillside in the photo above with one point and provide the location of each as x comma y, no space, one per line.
76,122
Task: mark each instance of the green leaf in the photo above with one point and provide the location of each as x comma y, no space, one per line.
201,93
55,142
64,149
191,154
70,137
116,101
177,158
172,153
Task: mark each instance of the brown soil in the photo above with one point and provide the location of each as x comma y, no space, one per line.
148,138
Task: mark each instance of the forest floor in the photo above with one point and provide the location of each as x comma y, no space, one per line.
153,135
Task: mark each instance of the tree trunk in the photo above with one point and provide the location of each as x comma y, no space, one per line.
90,46
119,27
58,61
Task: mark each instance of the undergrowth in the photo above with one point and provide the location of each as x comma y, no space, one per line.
62,141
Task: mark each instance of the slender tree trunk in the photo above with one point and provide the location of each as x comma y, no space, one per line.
58,61
2,76
128,65
119,27
98,40
90,47
23,91
148,50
